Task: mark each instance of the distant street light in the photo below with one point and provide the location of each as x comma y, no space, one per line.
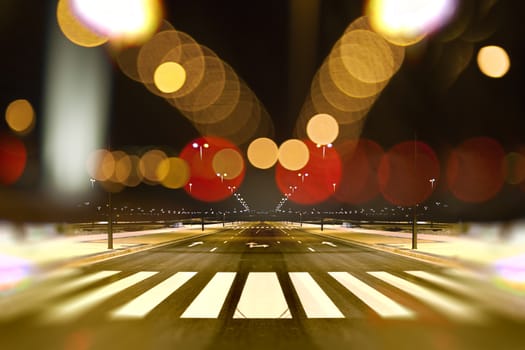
302,176
432,183
196,145
191,185
222,176
323,147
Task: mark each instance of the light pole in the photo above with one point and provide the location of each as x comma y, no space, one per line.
191,185
302,176
196,145
222,176
323,147
334,184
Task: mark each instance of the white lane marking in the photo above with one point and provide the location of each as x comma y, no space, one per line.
299,242
278,242
329,243
225,242
311,249
208,303
144,303
12,308
380,303
213,249
445,282
72,308
315,302
262,297
256,245
441,302
195,243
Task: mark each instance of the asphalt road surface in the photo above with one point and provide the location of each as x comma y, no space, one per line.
262,286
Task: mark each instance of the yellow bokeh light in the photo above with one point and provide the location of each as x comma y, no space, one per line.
173,172
293,154
149,163
493,61
20,116
128,21
169,77
228,162
74,29
123,167
100,165
406,22
366,56
322,129
262,153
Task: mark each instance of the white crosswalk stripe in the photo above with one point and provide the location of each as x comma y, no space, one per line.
450,306
262,296
381,304
143,304
72,308
208,303
315,302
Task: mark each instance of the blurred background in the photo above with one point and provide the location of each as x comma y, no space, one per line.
457,127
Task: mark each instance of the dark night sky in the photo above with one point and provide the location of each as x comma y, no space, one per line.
429,97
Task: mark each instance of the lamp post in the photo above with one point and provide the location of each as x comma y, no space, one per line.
222,176
323,147
196,145
191,185
302,176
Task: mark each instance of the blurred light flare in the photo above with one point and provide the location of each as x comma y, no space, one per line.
228,161
404,173
149,163
121,20
360,162
406,22
13,159
514,167
474,169
74,29
173,172
20,116
493,61
205,184
169,77
293,154
262,153
322,129
314,183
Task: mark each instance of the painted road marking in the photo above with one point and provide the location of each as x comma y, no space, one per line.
448,305
144,303
72,308
208,303
195,243
311,249
315,302
380,303
213,249
329,243
13,308
262,297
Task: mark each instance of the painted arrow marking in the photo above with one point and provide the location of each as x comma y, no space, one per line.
256,245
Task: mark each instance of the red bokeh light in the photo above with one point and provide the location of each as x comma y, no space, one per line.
13,158
474,169
360,160
316,181
405,172
204,184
